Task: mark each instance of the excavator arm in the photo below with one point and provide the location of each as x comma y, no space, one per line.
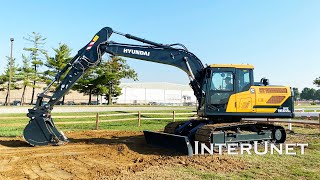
41,129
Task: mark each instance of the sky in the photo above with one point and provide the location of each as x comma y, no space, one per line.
280,38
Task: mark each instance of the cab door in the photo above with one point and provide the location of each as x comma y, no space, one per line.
220,88
244,97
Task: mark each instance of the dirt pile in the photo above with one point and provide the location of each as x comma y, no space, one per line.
102,154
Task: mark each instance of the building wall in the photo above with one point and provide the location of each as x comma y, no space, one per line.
161,93
16,95
132,93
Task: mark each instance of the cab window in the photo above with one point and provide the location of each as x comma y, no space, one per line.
221,87
244,80
222,81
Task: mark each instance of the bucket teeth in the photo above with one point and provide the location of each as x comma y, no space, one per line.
42,131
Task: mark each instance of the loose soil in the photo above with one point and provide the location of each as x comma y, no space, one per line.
104,155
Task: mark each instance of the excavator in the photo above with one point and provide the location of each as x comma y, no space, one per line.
226,93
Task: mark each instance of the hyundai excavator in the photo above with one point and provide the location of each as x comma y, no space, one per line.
225,94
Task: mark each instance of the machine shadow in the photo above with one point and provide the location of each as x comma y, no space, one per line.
122,112
135,143
14,143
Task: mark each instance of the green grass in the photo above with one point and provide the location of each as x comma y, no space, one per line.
106,112
122,125
11,131
14,126
306,106
274,166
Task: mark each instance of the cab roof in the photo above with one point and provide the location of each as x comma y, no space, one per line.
239,66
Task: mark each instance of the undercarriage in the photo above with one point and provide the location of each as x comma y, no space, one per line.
182,135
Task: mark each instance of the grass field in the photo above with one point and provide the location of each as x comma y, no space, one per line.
306,105
280,166
13,124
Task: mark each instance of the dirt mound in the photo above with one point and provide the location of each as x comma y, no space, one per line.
102,154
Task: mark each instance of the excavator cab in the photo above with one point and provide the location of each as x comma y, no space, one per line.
222,81
229,92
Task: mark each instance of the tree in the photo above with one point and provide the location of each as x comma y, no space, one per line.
110,73
304,93
296,93
57,63
317,81
37,52
4,78
26,74
312,94
317,95
86,84
105,79
308,93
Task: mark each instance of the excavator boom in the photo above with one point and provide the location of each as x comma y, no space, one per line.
41,129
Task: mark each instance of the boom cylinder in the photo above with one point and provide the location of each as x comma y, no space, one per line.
129,36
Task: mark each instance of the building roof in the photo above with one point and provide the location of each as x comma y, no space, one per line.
157,85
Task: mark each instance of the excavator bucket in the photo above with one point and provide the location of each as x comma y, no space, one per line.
178,143
41,131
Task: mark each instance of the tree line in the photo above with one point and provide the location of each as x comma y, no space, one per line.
38,66
307,94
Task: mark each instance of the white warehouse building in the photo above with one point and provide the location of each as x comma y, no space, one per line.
156,93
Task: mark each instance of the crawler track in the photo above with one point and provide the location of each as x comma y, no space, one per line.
267,132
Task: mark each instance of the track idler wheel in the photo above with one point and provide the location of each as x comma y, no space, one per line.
279,134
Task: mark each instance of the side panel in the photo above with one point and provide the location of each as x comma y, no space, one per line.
269,99
244,102
266,101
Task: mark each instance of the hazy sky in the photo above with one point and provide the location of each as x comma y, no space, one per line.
280,38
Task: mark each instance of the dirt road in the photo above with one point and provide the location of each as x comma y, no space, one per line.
103,154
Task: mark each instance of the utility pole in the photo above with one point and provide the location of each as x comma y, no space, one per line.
10,72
